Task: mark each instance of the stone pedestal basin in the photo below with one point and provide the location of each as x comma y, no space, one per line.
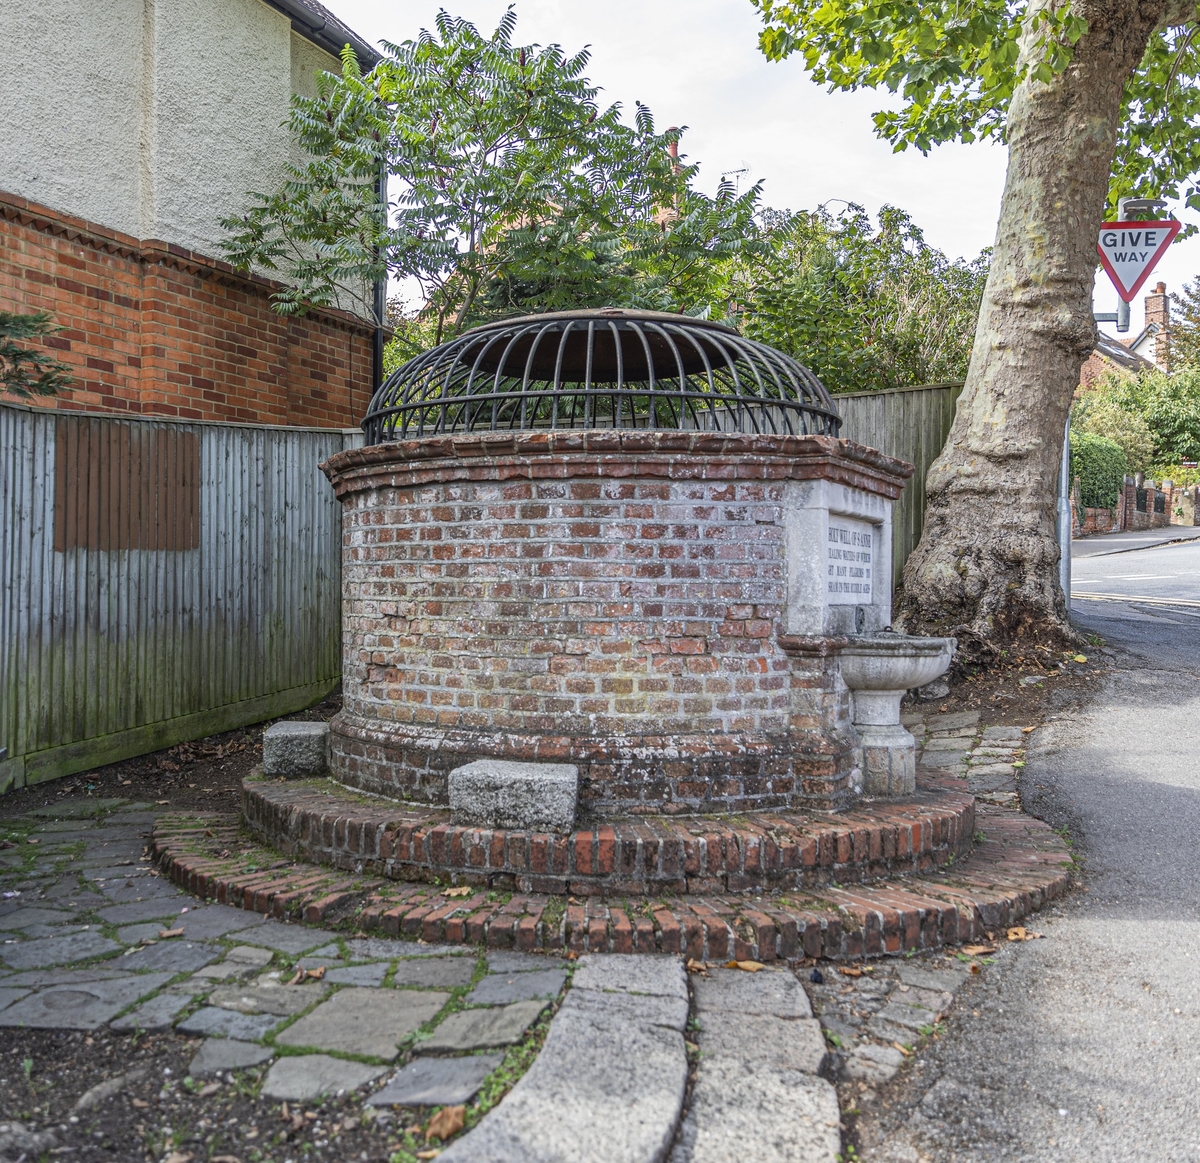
879,669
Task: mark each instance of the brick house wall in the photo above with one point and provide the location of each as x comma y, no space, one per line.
153,328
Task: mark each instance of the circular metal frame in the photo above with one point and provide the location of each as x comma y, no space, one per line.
606,368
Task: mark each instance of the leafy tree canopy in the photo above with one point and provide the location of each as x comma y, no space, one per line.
955,65
865,308
29,371
511,188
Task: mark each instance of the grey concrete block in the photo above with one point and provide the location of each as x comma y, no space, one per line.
437,1081
613,1082
507,961
482,1029
658,975
501,988
203,921
179,956
768,1115
785,1043
309,1077
365,1021
773,993
296,750
496,793
367,975
218,1055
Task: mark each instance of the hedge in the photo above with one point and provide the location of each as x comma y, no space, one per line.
1100,465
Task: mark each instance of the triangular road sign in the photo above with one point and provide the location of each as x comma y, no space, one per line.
1129,251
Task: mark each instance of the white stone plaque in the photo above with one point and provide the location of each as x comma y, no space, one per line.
849,560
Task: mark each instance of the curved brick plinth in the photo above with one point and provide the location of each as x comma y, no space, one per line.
616,599
1018,864
320,822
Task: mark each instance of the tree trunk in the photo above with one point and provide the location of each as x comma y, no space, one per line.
986,568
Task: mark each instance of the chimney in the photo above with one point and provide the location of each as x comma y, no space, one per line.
1158,310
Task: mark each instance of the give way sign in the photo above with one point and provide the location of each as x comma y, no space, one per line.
1129,251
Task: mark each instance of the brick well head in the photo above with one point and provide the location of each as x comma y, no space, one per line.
623,600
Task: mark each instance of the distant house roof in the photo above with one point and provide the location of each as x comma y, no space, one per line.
1119,354
315,22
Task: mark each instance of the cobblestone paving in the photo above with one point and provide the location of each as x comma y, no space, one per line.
94,940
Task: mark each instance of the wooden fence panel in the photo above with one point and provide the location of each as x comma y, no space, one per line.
159,581
911,424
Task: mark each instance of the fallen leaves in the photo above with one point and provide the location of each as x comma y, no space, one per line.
179,1157
303,975
428,1154
461,890
903,1049
745,966
1026,730
978,950
694,966
166,934
448,1121
846,971
140,1103
33,840
162,803
224,1159
1079,658
207,1089
1020,933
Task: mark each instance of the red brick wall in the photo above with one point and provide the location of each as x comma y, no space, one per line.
618,611
154,329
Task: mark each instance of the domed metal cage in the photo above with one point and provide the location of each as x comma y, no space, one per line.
606,368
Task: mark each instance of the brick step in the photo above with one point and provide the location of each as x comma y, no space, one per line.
323,823
1017,865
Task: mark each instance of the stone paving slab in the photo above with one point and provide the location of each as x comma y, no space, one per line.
873,1064
291,939
57,950
764,1114
81,1005
788,1043
640,1008
437,1081
500,989
284,1000
482,1029
37,978
178,955
379,948
614,1084
24,916
137,911
447,972
365,975
8,996
78,809
365,1021
305,1078
218,1055
212,1021
773,992
156,1014
507,961
941,980
659,976
136,934
209,921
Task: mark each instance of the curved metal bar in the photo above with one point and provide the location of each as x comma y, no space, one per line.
616,334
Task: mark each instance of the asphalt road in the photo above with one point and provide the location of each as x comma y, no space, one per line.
1085,1046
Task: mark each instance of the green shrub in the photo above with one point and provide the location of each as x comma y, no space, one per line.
1100,465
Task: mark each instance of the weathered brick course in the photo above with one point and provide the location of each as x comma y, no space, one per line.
153,329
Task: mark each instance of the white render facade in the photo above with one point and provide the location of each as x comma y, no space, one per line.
174,109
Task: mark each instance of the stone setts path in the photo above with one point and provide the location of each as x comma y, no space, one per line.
601,1031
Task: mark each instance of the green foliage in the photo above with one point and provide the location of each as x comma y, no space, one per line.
1101,411
1185,326
864,308
29,371
1099,464
1170,406
955,66
511,189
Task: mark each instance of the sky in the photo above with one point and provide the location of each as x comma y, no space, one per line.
696,63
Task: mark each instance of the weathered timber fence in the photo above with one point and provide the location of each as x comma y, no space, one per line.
911,423
159,581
